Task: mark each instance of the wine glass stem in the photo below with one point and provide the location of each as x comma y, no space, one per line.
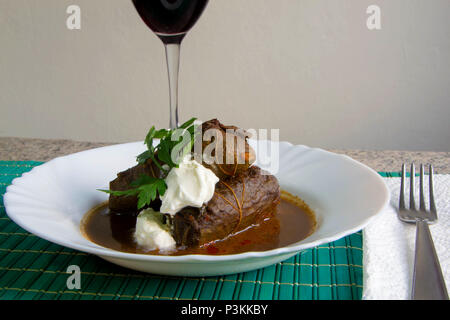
173,63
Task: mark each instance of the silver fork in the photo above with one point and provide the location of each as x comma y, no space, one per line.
428,281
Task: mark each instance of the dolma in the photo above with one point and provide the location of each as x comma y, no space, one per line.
224,149
238,202
128,204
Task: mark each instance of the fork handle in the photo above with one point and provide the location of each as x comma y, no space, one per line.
428,281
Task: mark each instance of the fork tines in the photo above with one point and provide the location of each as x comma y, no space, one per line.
412,205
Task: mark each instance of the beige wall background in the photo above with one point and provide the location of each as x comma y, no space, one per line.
308,67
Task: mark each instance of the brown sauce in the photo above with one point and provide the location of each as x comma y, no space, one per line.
293,221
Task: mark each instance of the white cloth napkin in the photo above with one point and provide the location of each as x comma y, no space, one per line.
389,244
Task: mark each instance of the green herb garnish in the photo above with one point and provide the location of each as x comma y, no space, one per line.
173,145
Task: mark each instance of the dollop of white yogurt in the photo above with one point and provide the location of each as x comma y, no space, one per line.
151,233
191,184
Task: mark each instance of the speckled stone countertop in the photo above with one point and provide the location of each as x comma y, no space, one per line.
17,149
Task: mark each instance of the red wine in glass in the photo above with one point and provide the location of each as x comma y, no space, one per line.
170,20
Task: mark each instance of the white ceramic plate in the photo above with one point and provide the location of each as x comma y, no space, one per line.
50,201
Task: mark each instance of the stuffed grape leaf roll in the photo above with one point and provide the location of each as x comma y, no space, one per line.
238,202
224,149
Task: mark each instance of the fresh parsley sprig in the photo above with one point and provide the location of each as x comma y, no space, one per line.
146,188
170,140
173,145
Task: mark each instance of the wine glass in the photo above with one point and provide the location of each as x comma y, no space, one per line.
170,20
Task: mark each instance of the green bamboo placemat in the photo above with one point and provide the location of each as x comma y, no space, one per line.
33,268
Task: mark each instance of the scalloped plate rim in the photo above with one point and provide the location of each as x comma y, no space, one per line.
195,258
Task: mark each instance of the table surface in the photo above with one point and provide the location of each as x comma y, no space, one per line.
330,271
19,149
